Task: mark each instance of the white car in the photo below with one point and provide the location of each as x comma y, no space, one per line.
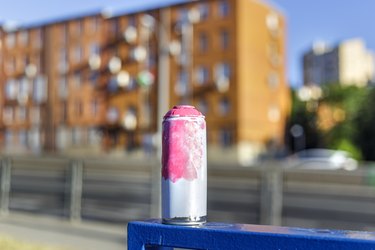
321,159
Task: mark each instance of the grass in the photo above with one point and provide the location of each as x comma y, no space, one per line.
8,243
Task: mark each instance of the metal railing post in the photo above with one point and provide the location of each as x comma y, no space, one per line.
5,185
271,196
76,184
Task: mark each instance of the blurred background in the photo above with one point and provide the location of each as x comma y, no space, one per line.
286,88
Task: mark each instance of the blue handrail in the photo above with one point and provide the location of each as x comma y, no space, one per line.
152,234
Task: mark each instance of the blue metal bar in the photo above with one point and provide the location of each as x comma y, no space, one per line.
152,234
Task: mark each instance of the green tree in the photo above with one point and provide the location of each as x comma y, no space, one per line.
365,126
349,100
307,118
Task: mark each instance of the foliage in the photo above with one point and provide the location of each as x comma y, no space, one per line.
346,133
348,146
365,124
343,134
302,116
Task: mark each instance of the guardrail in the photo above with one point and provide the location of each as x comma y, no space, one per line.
120,190
219,236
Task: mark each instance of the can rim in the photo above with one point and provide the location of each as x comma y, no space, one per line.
183,111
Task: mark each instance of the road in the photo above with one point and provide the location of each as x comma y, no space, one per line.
55,232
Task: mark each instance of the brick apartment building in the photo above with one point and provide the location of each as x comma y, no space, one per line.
102,81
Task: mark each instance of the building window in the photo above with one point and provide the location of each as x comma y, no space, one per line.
77,54
76,136
22,138
274,113
203,11
224,39
226,137
38,41
63,112
181,87
94,24
273,52
63,88
223,8
272,22
112,85
202,75
78,108
94,48
38,61
35,115
64,32
11,89
203,106
132,21
20,62
23,38
40,89
8,138
8,115
26,60
183,15
94,137
10,40
24,87
203,42
273,80
11,64
94,107
132,83
21,114
224,106
77,80
79,28
222,70
130,118
112,115
24,91
114,28
94,78
63,61
34,138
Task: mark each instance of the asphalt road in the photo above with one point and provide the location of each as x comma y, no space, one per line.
54,232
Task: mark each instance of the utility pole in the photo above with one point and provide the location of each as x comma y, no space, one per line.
163,105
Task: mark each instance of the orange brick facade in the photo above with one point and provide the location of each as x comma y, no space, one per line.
96,80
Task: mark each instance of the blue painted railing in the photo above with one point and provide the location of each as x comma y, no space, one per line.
154,235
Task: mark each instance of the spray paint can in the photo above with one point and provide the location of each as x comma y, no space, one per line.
184,167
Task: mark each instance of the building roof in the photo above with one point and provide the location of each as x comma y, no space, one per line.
107,11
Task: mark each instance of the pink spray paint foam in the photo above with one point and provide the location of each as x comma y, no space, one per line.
183,143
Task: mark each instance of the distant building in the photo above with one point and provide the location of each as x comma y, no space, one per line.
349,63
101,79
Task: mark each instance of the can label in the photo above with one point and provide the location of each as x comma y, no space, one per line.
184,167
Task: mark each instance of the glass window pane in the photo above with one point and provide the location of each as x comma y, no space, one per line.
223,8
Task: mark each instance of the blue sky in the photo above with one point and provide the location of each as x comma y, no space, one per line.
308,21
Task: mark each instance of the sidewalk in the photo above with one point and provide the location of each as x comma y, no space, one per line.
60,233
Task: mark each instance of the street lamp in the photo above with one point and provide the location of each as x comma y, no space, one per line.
299,138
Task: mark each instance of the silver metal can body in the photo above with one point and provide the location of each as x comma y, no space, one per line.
184,167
